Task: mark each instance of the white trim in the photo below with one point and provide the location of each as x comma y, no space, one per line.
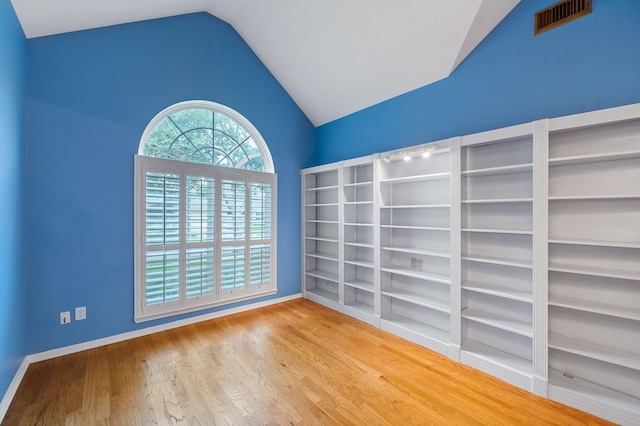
216,107
595,118
13,388
188,309
67,350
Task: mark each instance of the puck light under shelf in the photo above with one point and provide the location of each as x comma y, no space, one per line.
424,152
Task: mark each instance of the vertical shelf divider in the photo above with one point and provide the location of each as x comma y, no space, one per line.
341,197
376,239
456,252
358,265
540,255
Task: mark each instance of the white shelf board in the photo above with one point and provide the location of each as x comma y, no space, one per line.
356,184
498,261
327,256
501,170
321,205
591,350
361,307
329,240
361,285
498,357
422,228
424,252
359,244
594,271
593,197
498,290
498,201
324,294
593,158
614,244
359,262
430,276
596,307
322,188
498,231
357,203
332,222
417,299
325,275
417,206
417,327
416,178
498,321
358,224
558,381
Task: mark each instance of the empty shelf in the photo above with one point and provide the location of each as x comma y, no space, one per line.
498,290
418,299
430,276
499,321
591,350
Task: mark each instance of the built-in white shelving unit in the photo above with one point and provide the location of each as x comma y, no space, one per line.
594,267
515,251
415,255
360,239
321,232
496,278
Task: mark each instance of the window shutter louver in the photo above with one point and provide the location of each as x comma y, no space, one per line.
233,210
163,208
233,268
260,265
200,209
200,272
260,211
162,276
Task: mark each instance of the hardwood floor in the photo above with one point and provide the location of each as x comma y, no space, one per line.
292,363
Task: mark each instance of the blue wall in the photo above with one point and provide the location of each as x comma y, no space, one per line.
13,68
512,77
90,96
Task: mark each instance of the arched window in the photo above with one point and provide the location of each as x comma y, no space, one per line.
205,211
206,132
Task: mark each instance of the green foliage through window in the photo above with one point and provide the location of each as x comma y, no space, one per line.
204,136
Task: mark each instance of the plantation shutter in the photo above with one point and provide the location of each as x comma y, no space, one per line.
260,230
162,236
206,235
200,237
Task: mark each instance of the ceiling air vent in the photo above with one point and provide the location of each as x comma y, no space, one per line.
560,13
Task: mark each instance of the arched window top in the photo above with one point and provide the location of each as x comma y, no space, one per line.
206,132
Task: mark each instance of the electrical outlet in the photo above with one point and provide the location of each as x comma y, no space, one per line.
65,317
81,313
416,263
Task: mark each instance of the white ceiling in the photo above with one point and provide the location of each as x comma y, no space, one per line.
333,57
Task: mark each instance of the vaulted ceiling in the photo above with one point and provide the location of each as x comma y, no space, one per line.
333,57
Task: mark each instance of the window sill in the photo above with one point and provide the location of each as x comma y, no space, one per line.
159,315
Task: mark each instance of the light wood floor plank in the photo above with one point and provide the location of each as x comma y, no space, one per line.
292,363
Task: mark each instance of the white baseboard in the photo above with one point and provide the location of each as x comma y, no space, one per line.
539,386
67,350
13,388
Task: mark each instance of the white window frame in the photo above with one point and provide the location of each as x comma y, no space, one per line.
144,165
215,107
